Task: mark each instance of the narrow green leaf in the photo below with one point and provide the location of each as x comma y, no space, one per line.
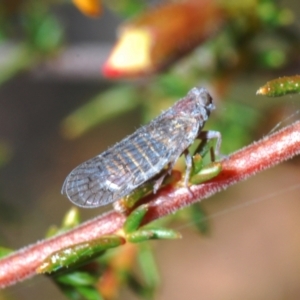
103,107
131,200
142,235
199,218
138,288
281,86
71,218
135,219
5,251
89,293
77,279
197,163
79,253
148,265
206,173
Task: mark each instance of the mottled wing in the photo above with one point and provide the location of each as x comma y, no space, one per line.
119,170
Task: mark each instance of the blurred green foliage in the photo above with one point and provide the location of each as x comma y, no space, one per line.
34,31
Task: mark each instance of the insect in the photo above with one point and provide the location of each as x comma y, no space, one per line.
124,167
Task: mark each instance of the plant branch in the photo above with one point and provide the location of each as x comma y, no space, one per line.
242,164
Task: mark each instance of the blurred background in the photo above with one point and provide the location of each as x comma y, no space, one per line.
75,80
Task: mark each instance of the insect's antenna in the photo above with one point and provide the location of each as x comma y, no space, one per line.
243,205
284,120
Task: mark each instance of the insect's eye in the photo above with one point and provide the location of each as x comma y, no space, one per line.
205,99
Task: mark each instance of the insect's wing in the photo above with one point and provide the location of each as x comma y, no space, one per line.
95,182
124,167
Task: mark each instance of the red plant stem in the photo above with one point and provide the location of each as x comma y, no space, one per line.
246,162
242,164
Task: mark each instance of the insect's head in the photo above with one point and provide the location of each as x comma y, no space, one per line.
203,98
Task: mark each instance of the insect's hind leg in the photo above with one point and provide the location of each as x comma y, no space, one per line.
162,176
189,164
205,136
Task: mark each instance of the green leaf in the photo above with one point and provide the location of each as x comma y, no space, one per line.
71,218
138,288
199,218
5,251
281,86
90,293
135,219
148,265
208,172
103,107
77,279
142,235
79,253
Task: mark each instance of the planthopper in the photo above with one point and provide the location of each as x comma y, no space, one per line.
151,150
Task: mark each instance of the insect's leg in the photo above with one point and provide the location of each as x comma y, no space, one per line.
188,163
160,180
204,136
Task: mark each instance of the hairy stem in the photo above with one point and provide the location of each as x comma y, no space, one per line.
246,162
